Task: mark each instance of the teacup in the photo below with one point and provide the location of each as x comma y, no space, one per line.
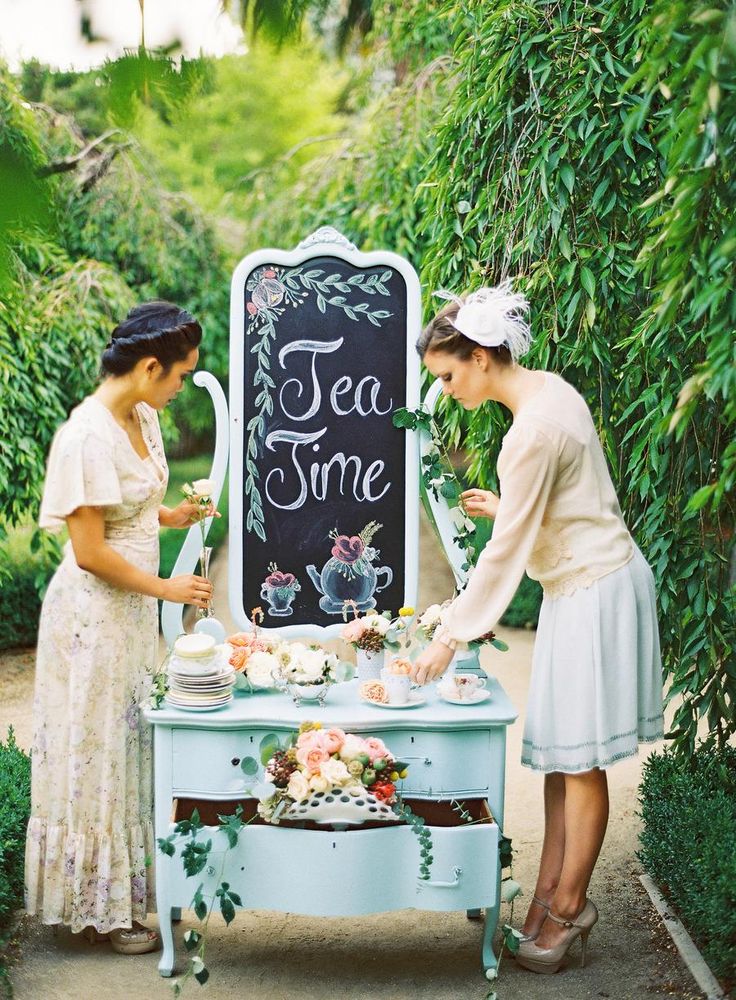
397,687
462,686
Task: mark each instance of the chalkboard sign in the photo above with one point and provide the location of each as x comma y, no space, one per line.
324,489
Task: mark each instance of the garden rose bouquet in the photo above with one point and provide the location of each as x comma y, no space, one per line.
322,759
255,658
376,630
302,664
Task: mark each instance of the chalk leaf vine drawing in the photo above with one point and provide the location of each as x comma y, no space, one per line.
270,291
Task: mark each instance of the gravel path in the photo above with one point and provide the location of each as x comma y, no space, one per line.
395,956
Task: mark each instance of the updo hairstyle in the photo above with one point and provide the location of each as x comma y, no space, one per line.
157,330
440,335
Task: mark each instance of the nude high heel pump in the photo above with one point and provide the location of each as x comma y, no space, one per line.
549,960
545,907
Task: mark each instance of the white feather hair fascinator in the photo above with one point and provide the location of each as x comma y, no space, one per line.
493,317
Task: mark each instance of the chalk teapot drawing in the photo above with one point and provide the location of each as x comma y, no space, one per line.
279,589
349,575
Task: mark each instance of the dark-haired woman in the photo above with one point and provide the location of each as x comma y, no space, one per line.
596,687
90,840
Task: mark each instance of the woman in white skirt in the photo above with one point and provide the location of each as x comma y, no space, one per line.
596,687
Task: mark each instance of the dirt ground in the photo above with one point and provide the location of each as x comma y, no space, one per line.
389,956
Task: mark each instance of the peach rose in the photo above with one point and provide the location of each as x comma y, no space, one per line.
311,739
239,639
353,630
239,657
332,740
312,758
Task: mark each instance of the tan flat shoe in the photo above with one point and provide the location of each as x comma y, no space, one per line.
135,940
92,936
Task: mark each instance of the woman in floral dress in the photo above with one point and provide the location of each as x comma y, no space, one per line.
90,840
596,686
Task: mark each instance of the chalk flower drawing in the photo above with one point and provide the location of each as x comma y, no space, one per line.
270,291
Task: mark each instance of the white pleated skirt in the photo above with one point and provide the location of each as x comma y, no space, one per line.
596,686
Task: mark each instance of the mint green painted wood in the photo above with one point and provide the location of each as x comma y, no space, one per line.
453,751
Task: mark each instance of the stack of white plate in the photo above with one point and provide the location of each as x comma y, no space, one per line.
199,679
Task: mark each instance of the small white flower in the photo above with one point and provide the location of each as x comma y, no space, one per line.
377,623
431,616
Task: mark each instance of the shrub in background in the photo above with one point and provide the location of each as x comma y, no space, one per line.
688,844
15,807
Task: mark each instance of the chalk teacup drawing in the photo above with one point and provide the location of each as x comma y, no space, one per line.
279,589
349,575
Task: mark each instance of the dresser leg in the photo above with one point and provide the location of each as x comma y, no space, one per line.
175,914
488,956
473,914
166,964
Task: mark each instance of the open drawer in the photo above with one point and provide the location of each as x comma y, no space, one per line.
364,869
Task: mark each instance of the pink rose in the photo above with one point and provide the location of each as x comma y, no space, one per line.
269,273
348,549
312,738
353,630
333,740
279,579
312,758
375,748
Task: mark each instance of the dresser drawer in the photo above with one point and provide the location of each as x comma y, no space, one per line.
443,764
208,762
346,873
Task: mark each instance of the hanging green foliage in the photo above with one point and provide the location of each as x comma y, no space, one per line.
586,151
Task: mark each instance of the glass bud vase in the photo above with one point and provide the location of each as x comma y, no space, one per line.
204,568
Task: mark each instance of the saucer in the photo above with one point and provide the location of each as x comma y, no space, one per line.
413,702
477,698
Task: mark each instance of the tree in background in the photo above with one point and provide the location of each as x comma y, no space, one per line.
588,152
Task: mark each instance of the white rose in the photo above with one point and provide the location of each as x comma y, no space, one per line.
354,787
377,623
260,668
318,784
431,616
310,667
334,771
204,487
352,747
298,787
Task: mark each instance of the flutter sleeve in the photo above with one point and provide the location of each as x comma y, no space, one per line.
80,473
527,467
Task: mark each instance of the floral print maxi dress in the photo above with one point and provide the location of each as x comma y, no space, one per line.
89,845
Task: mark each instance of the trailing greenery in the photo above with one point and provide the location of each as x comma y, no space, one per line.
15,807
585,151
688,845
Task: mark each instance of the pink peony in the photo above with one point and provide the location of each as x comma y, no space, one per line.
333,740
348,549
279,579
375,748
353,630
312,758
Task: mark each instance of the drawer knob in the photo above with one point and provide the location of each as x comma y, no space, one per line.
235,761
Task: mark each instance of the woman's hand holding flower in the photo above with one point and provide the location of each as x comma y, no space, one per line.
432,663
185,514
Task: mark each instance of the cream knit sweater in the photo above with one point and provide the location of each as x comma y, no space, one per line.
558,518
